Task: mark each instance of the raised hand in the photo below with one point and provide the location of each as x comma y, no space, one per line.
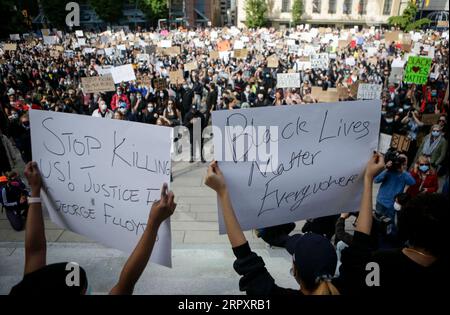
163,208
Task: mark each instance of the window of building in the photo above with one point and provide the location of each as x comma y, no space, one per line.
286,6
347,7
316,6
387,7
362,7
332,7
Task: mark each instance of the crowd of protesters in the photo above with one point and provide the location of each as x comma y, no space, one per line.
37,76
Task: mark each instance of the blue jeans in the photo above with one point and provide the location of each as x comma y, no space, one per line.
387,212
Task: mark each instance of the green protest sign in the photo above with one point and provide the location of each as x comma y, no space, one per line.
417,70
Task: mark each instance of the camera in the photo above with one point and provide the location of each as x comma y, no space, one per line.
395,157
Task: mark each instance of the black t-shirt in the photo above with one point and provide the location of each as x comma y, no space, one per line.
397,273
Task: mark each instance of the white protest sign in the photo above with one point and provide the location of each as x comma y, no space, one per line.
14,36
50,40
320,61
384,143
238,44
398,63
79,33
369,91
166,43
314,165
82,41
350,61
102,177
123,73
288,80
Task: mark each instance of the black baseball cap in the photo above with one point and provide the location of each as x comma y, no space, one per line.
313,255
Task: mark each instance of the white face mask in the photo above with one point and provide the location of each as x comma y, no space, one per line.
103,108
397,206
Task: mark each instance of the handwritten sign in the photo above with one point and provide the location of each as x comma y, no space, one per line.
320,61
240,53
400,143
160,84
176,76
191,66
102,177
123,73
214,55
328,96
430,119
396,75
288,80
417,70
98,84
14,36
272,62
10,47
280,162
384,143
369,91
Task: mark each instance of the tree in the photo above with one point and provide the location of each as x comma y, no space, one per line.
154,10
407,21
256,13
297,11
55,12
109,11
12,19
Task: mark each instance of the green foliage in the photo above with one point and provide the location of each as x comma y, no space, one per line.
407,21
109,11
297,11
55,12
154,10
256,13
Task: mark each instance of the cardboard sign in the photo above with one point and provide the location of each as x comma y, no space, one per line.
295,177
369,91
328,96
214,55
390,37
400,143
98,84
123,73
240,53
342,92
176,77
342,44
430,119
191,66
101,177
417,70
320,61
172,51
160,84
272,62
11,47
288,80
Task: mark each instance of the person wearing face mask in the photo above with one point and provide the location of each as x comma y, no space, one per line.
261,100
102,111
434,146
117,98
426,178
412,125
21,135
248,96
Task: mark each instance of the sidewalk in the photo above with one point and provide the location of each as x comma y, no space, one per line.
202,259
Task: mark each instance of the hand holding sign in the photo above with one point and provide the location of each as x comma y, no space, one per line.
34,179
163,208
215,179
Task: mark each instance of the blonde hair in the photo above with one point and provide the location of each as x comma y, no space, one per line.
325,287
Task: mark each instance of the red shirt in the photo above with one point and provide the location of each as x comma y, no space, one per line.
430,183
